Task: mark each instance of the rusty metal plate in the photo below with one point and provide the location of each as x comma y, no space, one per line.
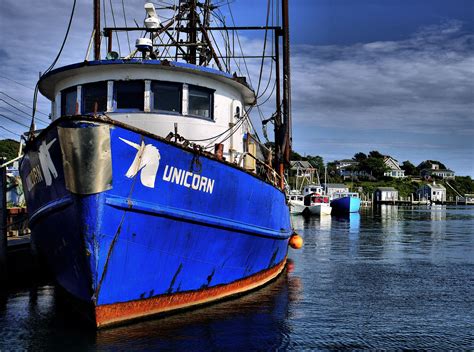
87,159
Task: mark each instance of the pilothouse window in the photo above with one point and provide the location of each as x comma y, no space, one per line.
68,101
94,97
166,96
200,102
129,95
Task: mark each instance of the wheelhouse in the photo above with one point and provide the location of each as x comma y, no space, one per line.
157,96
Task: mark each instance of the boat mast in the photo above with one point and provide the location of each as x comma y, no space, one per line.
96,29
192,32
286,143
283,125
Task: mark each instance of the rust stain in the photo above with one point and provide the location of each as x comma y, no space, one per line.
118,312
209,279
170,289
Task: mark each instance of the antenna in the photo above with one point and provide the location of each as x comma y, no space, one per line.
152,21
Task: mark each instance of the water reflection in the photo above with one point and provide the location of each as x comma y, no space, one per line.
385,279
42,317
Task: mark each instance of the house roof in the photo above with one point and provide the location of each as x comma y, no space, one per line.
436,186
438,170
386,189
346,161
301,163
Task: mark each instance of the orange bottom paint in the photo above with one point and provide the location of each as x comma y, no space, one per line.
119,312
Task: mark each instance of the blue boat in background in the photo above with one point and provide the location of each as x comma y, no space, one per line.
148,192
345,202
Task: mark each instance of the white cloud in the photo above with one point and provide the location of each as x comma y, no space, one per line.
391,91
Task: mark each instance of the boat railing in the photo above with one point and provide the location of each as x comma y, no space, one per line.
262,169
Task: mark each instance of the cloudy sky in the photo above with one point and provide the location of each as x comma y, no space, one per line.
395,76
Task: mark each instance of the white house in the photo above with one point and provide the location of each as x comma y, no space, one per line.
436,171
346,169
332,188
394,168
385,194
433,192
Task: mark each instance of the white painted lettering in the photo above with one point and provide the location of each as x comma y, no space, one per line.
167,177
195,181
210,186
176,175
202,185
188,179
186,183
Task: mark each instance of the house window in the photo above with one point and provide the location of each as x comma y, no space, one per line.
94,97
201,102
129,95
68,101
166,96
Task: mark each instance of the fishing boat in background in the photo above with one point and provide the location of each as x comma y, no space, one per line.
315,201
347,202
296,202
149,191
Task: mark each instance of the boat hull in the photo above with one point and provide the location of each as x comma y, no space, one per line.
346,205
162,228
320,209
296,208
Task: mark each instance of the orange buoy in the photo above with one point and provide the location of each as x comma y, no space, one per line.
296,241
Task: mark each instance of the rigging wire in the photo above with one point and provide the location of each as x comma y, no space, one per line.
23,117
26,106
115,25
264,48
14,107
35,96
15,121
12,80
238,41
126,25
6,129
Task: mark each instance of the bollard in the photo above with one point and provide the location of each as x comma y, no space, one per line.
3,224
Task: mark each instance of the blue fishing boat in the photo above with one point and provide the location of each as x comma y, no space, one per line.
347,202
148,192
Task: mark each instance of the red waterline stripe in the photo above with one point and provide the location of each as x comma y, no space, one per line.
118,312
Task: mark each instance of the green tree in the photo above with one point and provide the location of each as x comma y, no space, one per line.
410,169
9,149
376,155
317,161
360,157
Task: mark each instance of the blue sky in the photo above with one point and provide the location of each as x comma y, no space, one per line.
394,76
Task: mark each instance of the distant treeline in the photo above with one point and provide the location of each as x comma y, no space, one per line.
9,149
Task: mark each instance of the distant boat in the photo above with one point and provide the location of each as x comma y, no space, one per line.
315,201
296,203
346,202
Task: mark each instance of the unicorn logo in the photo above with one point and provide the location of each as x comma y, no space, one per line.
46,163
147,160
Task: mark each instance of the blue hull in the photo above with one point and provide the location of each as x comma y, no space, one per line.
346,205
212,226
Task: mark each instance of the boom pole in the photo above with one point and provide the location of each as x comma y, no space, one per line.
96,29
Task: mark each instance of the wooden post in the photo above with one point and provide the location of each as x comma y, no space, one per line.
3,224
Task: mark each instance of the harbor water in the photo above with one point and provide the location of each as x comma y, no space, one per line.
388,278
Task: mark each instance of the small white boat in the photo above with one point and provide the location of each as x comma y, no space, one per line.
317,204
315,201
296,203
